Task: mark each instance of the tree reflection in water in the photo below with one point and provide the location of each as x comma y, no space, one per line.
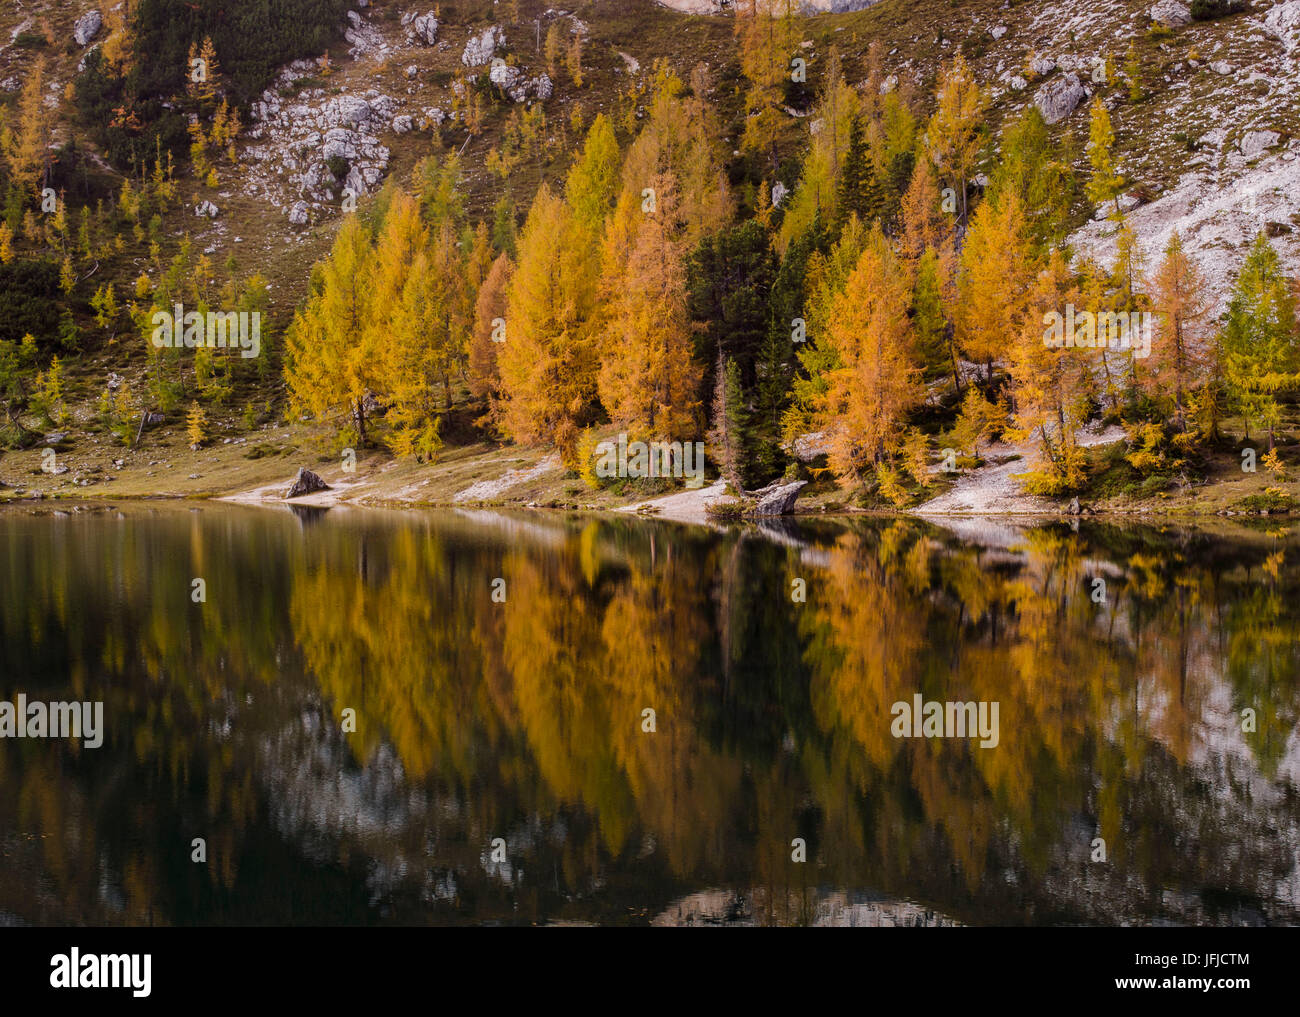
1120,721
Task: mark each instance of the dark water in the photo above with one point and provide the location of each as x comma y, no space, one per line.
1119,721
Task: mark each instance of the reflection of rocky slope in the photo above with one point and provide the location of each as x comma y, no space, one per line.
818,908
806,7
318,796
416,839
1211,831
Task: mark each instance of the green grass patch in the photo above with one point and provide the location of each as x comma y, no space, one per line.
1271,499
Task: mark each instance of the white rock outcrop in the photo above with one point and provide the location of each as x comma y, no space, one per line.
292,143
1283,22
1057,99
87,27
1170,13
503,75
1255,143
482,48
426,28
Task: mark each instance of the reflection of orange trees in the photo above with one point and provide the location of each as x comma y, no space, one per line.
392,641
1260,636
653,633
876,640
1019,630
164,667
546,688
535,704
550,638
583,668
868,655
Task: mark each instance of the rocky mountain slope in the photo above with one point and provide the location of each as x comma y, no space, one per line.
1206,132
1209,148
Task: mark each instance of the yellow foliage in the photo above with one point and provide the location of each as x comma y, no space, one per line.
586,459
196,425
891,485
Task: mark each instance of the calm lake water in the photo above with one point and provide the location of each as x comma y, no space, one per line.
1119,708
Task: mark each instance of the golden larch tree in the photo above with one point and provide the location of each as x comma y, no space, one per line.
996,268
490,328
1180,351
875,382
647,378
26,146
331,360
1050,382
547,363
955,133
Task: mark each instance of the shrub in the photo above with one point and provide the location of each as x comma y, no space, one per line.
891,485
1274,499
586,456
29,295
1067,474
1208,10
725,511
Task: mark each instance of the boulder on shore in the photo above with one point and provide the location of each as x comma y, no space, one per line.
778,499
304,483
